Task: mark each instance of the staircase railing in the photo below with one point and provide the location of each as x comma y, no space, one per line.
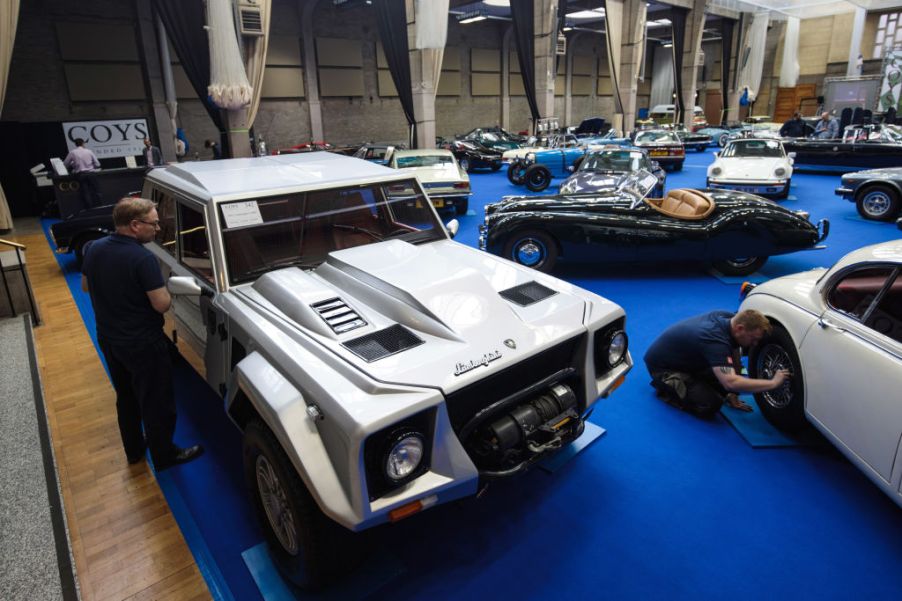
19,248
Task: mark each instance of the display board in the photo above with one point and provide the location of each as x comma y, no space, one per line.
891,88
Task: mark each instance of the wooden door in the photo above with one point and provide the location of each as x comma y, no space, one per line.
789,100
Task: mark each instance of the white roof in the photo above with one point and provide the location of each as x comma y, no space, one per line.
228,179
885,252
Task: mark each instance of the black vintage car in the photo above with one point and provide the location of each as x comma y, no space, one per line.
470,154
877,193
861,147
734,231
74,233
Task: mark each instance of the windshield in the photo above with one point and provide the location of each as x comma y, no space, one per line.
613,160
426,160
657,136
268,233
753,148
893,133
639,184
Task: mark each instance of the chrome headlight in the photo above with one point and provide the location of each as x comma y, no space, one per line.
716,170
404,456
779,171
617,348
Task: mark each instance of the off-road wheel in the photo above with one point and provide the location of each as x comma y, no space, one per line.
309,549
784,407
740,265
534,249
516,172
880,203
537,178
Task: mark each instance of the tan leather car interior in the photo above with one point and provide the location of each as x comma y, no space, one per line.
683,203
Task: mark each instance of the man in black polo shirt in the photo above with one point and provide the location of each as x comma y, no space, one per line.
695,364
129,299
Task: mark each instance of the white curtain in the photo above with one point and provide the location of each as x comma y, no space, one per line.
789,70
751,60
256,62
229,86
9,15
661,77
432,33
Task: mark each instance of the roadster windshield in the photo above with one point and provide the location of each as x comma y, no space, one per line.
426,160
301,229
657,137
613,160
638,184
753,148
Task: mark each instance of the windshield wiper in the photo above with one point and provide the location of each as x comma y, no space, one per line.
358,229
295,262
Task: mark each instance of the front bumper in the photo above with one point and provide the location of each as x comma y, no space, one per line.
760,188
847,193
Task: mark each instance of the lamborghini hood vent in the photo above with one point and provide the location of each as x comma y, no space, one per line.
340,317
383,343
527,294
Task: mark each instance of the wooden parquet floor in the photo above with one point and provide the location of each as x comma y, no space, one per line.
125,541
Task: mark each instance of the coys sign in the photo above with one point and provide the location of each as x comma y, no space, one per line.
117,138
462,368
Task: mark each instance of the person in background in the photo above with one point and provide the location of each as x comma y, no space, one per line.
793,128
83,163
695,363
129,299
827,128
152,155
214,147
181,144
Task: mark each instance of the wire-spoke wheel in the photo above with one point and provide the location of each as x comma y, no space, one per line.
783,406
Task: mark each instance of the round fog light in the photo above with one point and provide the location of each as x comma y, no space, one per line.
404,457
617,348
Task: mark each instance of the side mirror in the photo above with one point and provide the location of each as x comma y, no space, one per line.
791,155
452,227
181,285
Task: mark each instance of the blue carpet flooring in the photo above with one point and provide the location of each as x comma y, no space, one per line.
664,506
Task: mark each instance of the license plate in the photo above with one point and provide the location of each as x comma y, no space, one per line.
438,203
658,153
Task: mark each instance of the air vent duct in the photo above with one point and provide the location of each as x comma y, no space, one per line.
527,294
383,343
340,317
250,19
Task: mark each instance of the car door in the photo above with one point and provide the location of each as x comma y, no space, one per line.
852,362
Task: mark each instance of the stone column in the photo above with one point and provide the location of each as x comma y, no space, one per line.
631,52
568,82
311,83
239,133
695,26
506,77
425,67
855,45
165,135
741,36
545,41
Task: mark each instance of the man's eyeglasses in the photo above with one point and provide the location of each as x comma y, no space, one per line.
155,224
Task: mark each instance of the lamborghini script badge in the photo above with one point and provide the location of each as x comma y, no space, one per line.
462,368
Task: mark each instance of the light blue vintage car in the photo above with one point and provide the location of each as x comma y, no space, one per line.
538,168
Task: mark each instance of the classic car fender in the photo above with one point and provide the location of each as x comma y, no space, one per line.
871,182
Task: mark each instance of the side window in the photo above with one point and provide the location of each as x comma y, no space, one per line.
855,292
166,210
886,317
193,245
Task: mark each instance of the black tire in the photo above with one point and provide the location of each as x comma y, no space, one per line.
461,206
537,178
784,407
740,265
496,166
880,203
78,246
464,164
785,193
309,549
532,248
515,173
678,166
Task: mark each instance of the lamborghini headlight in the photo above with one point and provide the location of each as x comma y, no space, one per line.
617,348
404,457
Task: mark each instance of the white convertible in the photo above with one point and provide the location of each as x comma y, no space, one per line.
376,367
758,166
839,333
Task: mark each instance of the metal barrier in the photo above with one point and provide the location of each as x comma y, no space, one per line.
19,248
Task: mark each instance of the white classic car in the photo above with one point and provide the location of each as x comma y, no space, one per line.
444,180
757,166
376,367
839,333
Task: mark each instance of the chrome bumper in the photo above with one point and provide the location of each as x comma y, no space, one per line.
846,193
751,188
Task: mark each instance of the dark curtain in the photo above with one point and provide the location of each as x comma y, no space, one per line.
726,53
678,37
615,85
392,20
523,15
184,21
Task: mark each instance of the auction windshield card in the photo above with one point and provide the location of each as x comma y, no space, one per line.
241,214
